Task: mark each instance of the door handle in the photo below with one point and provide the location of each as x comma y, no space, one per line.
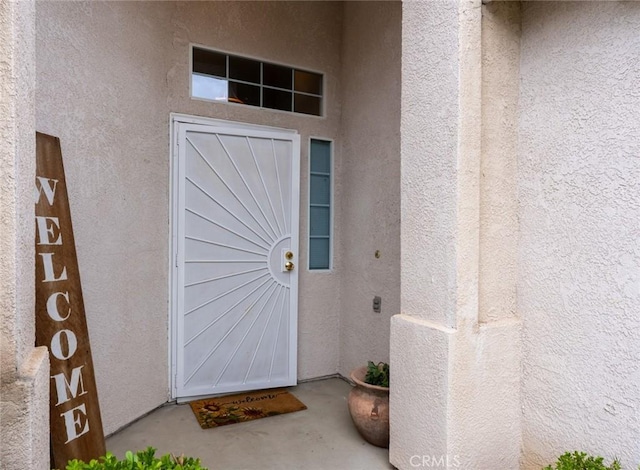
289,266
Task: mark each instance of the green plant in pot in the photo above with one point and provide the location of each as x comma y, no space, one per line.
369,402
377,374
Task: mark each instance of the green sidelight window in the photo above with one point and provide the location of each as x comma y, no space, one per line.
320,164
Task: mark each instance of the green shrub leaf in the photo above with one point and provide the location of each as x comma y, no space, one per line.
142,460
582,461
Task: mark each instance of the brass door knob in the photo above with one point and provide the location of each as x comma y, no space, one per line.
288,266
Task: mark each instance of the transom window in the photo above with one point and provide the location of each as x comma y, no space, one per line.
223,77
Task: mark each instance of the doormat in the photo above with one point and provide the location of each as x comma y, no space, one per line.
230,409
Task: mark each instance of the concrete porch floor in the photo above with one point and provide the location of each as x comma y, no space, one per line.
322,437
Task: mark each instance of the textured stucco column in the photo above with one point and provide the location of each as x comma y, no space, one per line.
455,347
24,378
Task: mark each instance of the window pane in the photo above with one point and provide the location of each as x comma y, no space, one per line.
320,156
319,253
308,82
218,76
276,99
319,204
209,88
319,221
277,76
246,70
320,189
307,104
243,93
209,62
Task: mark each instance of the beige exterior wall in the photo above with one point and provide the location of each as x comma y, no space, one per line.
109,74
114,132
24,381
369,204
579,209
101,88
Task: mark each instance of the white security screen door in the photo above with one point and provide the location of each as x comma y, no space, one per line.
235,283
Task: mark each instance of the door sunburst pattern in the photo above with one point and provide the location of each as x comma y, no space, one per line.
236,310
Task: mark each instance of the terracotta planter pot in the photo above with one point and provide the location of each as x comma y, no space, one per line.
369,408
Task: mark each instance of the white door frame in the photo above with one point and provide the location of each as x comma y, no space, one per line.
174,120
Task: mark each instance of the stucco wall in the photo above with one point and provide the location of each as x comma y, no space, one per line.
101,88
24,378
498,165
24,415
108,75
429,121
579,207
17,163
370,180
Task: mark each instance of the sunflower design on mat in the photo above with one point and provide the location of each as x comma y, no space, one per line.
227,418
213,415
211,407
252,413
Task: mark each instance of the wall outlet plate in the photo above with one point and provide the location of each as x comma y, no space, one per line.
377,304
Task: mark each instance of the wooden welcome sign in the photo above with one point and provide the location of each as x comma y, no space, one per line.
76,425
